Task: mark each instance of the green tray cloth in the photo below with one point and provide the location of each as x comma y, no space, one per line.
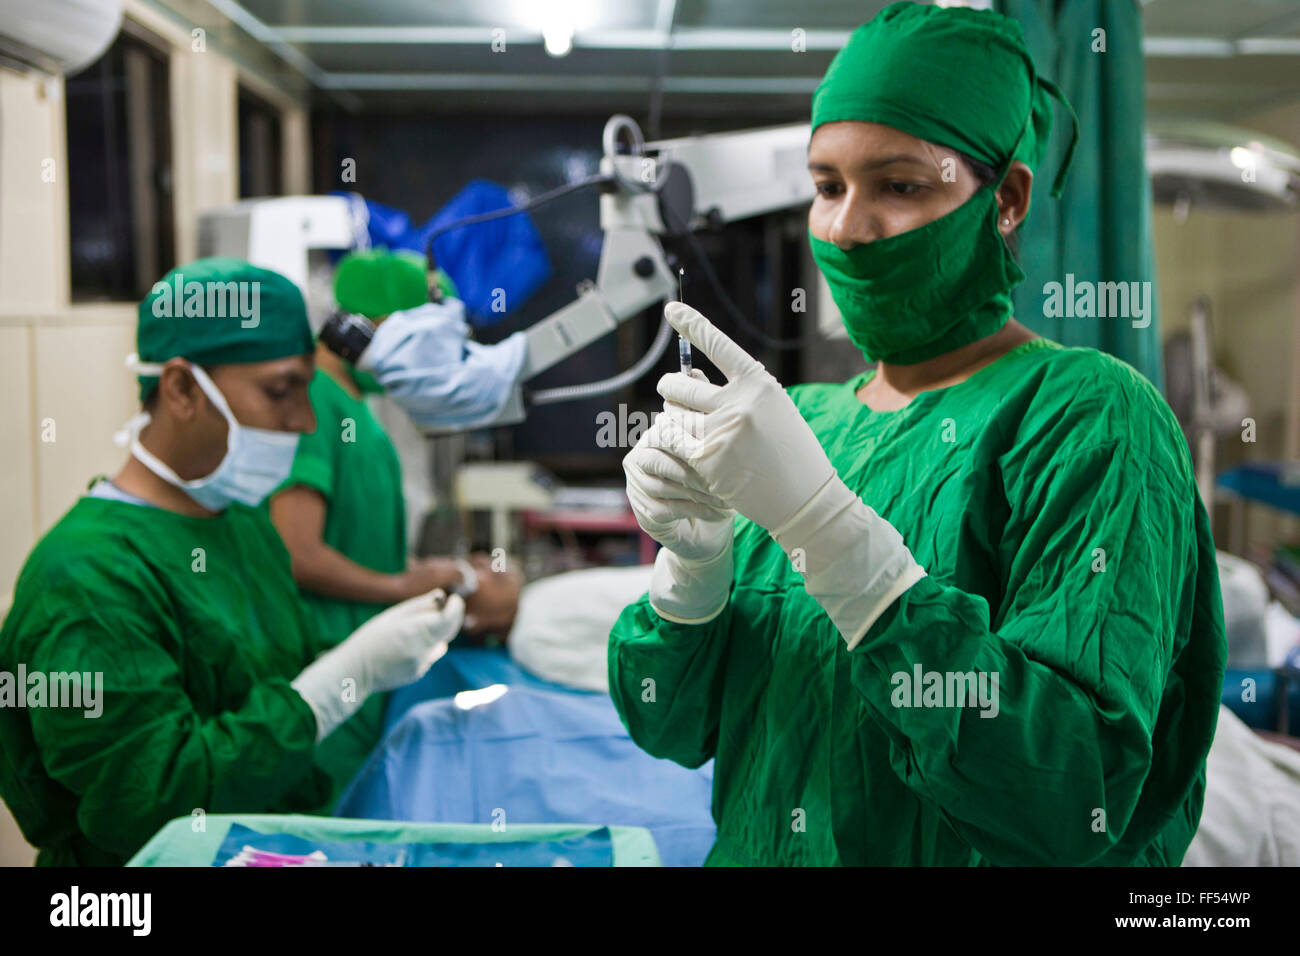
176,844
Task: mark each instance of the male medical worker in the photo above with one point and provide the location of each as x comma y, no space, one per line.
169,585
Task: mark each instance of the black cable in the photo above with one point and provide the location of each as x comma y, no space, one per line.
696,247
736,315
556,193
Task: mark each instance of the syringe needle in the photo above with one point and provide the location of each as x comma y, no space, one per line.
683,346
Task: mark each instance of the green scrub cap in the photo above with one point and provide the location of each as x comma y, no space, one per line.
219,312
378,282
953,76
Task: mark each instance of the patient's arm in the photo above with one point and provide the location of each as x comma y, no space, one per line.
299,514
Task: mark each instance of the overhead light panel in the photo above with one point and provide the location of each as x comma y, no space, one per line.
557,36
558,21
1214,166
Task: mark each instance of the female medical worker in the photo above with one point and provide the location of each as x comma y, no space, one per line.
170,593
341,512
971,612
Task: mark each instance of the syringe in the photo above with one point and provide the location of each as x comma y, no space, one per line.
683,346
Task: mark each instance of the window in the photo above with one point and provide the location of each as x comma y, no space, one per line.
119,171
260,154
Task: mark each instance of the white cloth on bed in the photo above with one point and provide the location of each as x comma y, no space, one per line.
1252,801
561,632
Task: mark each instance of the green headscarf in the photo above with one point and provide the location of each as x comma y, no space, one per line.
958,78
952,76
376,282
221,311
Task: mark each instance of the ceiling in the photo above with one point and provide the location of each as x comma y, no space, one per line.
1217,59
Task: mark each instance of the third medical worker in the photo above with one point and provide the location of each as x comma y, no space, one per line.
341,512
964,608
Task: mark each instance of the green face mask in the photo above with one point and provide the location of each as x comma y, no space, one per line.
927,291
368,384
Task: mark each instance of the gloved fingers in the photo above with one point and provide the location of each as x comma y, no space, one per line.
643,488
730,358
415,606
693,509
400,612
660,464
651,458
430,629
653,522
678,416
451,618
664,490
429,621
666,424
663,515
676,438
689,392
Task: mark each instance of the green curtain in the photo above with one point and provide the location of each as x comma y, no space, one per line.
1100,229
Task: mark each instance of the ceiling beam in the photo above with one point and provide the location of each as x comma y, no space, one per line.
290,54
266,35
647,39
710,39
281,41
1214,48
585,83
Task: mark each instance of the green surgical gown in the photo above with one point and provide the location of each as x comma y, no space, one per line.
351,461
1051,500
196,627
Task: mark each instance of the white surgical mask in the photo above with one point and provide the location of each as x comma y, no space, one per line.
257,460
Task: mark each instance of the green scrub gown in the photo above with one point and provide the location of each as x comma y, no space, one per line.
196,627
1051,500
351,461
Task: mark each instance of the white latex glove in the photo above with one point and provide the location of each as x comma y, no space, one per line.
691,581
424,359
389,651
747,441
415,340
753,450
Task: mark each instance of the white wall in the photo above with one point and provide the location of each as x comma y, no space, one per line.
62,380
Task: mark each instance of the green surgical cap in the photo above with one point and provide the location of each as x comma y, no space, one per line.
219,312
378,282
952,76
